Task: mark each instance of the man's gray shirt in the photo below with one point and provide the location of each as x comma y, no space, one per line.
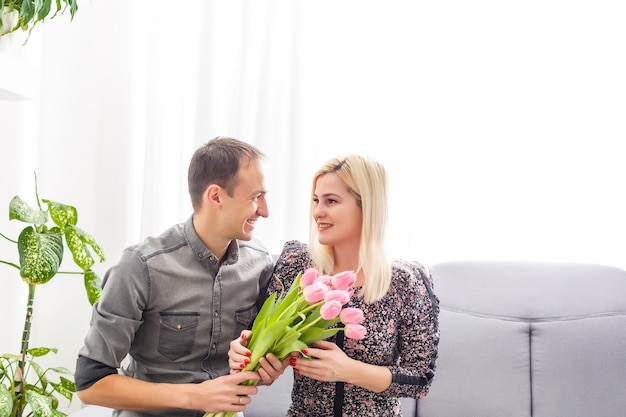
171,313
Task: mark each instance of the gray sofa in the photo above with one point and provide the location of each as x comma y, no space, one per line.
518,339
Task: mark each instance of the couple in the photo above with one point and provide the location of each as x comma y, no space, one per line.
165,337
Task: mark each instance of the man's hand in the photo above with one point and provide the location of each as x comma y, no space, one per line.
224,393
125,393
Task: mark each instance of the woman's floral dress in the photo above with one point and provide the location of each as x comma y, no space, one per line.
402,334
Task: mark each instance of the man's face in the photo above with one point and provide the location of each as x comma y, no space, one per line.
247,203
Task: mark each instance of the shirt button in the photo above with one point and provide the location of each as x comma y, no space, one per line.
216,313
214,346
199,255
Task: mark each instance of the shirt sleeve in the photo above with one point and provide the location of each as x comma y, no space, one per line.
88,372
418,336
118,314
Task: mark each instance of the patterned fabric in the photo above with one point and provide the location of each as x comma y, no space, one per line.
402,334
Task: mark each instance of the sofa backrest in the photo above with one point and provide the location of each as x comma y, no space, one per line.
525,339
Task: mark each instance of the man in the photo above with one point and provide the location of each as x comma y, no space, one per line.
173,303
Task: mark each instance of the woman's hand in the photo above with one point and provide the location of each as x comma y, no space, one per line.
331,364
328,363
238,357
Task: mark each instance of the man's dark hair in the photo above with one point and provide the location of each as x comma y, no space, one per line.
218,162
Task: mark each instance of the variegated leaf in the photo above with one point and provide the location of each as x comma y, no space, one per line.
40,255
20,210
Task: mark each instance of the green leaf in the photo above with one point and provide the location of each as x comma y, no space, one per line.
27,12
292,301
68,384
9,356
20,210
91,242
62,214
283,346
264,314
40,255
294,290
79,249
93,286
6,401
42,8
314,334
296,346
60,370
62,390
41,351
41,374
73,7
261,342
40,404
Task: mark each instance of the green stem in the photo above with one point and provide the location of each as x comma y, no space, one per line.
8,238
37,191
317,319
311,307
9,263
301,302
20,374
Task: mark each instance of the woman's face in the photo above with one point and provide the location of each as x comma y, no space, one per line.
336,212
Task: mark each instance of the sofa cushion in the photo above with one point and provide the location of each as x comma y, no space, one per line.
525,339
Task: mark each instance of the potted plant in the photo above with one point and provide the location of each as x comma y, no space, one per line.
25,14
25,386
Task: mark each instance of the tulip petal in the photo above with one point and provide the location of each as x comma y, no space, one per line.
343,280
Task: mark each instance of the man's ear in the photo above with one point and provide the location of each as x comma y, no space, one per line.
213,194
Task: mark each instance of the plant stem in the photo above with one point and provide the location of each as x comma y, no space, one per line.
8,238
37,191
9,263
21,369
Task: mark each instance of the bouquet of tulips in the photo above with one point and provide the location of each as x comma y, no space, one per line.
306,314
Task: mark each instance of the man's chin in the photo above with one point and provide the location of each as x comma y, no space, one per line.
246,235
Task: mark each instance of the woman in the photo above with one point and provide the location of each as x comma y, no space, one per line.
396,358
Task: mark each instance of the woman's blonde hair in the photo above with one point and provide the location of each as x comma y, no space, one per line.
367,181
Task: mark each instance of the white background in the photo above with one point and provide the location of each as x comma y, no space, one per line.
501,124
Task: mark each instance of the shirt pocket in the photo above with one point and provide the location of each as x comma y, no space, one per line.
244,319
177,332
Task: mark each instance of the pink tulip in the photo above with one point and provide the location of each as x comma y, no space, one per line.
352,315
339,295
325,279
343,280
330,309
308,277
355,331
315,292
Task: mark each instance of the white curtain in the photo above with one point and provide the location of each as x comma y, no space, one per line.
501,124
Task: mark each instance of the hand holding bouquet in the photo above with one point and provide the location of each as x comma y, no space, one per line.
306,314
